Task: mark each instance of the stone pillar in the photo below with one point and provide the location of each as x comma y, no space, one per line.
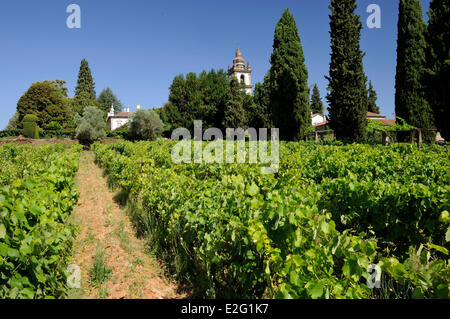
384,139
419,140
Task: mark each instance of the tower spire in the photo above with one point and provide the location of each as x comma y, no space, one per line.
241,72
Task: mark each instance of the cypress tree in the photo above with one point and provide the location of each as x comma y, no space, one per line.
85,83
235,115
260,116
288,81
410,99
438,64
372,105
347,95
316,101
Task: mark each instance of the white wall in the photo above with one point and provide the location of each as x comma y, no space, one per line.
116,123
318,119
246,79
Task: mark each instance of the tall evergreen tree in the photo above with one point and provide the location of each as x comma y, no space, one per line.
288,81
106,99
316,101
347,95
372,104
438,64
260,116
235,115
85,83
410,99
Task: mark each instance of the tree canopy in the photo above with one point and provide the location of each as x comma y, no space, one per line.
106,99
410,94
316,101
438,64
44,100
91,126
347,96
145,125
85,83
372,102
287,85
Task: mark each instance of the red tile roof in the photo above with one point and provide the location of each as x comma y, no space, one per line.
321,124
370,114
122,115
388,122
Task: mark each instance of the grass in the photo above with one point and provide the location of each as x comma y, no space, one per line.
103,293
99,272
123,236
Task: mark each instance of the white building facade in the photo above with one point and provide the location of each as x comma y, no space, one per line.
318,119
117,120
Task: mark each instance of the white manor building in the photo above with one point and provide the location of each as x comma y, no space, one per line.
241,72
117,120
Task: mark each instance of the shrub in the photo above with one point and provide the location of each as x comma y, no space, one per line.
54,129
10,133
30,127
145,125
90,127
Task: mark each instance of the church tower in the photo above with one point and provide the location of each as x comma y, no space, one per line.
241,72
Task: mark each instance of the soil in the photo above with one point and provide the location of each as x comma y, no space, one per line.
103,223
22,141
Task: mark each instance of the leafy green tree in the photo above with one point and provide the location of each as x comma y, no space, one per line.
106,99
13,122
372,106
199,97
410,94
438,64
145,125
347,96
214,86
170,115
178,97
91,126
235,115
288,81
85,83
60,87
316,101
46,102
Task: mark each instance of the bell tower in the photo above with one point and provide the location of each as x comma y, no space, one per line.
241,72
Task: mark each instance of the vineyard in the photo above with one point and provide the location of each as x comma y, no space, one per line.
310,231
36,198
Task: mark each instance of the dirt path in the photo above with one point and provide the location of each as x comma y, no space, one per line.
127,270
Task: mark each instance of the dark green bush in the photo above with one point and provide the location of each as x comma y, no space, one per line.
10,133
30,127
90,127
145,125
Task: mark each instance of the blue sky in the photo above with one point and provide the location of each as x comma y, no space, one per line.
136,47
